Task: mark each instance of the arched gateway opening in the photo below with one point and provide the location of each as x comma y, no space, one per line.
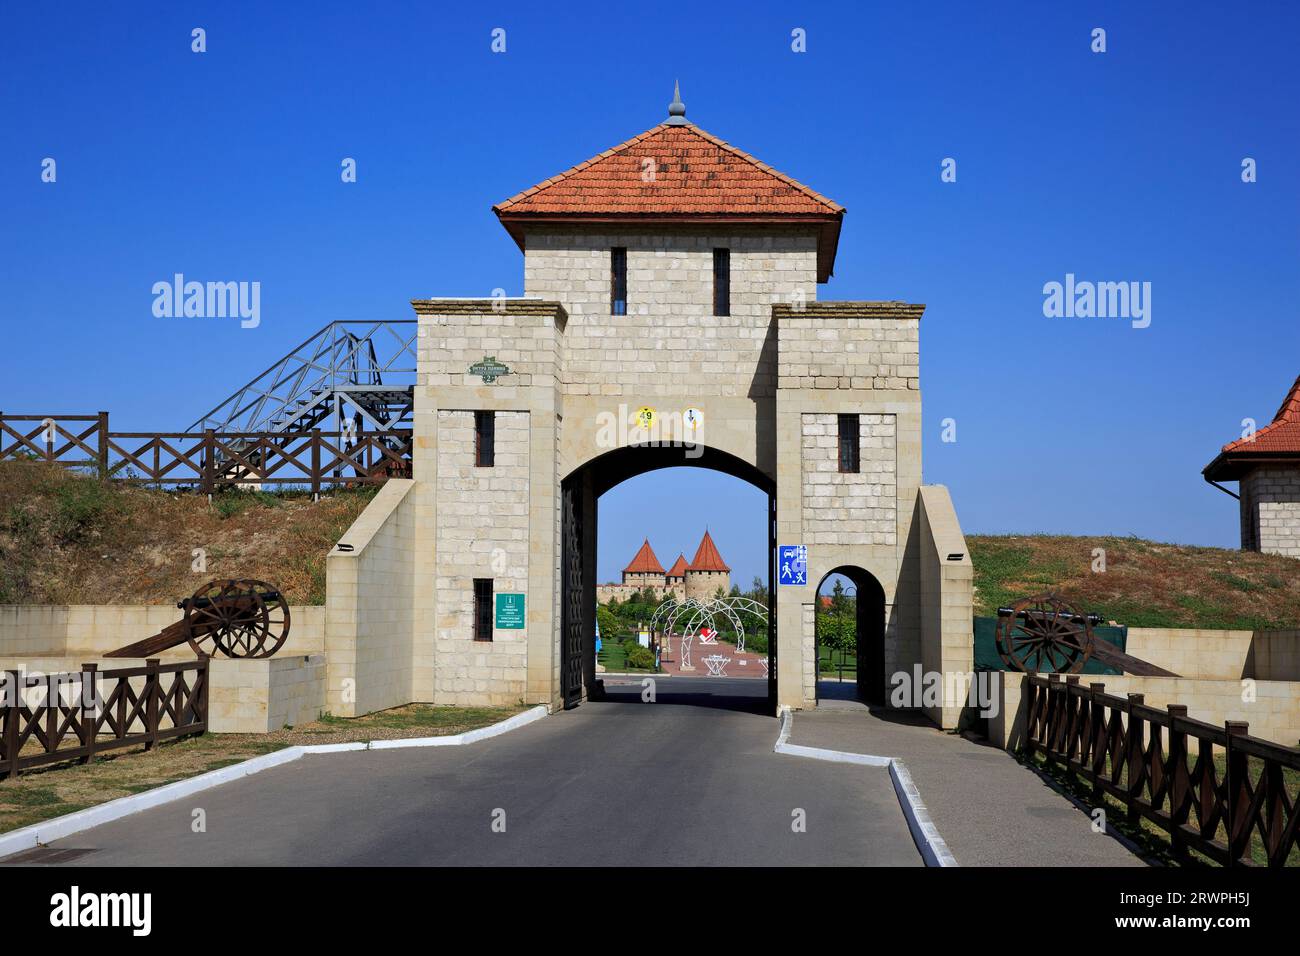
580,493
850,666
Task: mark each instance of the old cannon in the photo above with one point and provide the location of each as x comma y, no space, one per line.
1043,633
238,617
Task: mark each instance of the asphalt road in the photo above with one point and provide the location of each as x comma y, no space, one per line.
612,782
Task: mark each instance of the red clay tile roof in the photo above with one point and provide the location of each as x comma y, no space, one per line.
679,567
707,557
644,562
697,177
694,173
1281,437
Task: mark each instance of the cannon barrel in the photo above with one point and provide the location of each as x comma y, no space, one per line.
238,617
1072,617
204,602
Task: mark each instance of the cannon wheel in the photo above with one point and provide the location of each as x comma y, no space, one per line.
1044,634
242,618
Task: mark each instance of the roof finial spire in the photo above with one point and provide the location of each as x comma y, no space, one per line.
677,109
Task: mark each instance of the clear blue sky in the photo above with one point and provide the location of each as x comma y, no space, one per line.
1116,166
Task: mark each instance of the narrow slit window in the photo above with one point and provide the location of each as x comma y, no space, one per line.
849,443
618,281
482,609
722,282
485,439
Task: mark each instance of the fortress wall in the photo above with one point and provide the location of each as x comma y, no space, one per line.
670,342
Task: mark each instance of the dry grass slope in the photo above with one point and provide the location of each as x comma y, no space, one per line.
1145,583
68,539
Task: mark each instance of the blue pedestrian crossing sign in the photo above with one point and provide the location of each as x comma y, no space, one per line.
792,564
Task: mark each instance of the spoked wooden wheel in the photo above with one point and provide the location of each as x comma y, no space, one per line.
1043,633
240,618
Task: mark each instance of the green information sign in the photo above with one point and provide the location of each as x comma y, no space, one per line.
489,369
510,611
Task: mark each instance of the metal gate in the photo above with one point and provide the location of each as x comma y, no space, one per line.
571,596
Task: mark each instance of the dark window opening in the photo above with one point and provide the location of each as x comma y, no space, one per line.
482,609
722,282
618,281
485,439
849,443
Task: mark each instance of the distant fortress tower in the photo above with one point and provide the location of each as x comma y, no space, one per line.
700,579
707,572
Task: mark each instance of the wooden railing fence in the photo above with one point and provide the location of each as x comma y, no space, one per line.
49,718
1216,790
207,460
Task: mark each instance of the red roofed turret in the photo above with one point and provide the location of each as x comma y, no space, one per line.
644,561
707,557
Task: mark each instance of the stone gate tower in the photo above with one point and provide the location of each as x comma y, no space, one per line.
669,317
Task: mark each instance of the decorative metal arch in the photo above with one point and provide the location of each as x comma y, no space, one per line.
697,613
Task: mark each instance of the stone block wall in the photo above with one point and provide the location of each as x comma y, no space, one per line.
264,695
1270,510
946,599
1193,653
849,508
621,592
850,345
1275,655
482,532
670,336
703,585
456,333
370,605
639,579
526,335
91,630
1207,654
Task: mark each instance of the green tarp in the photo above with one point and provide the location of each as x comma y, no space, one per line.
986,646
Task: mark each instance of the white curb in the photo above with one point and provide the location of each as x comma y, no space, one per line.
933,849
469,737
48,831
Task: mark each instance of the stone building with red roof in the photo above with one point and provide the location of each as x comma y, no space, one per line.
670,317
1265,463
698,579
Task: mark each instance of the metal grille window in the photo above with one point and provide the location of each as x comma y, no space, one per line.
485,439
618,281
722,282
482,609
849,443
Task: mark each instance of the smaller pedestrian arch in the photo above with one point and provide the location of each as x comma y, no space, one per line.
869,628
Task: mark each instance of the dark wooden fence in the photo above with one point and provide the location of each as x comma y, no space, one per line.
74,716
207,460
1213,789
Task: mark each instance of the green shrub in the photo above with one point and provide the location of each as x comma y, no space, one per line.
608,624
235,501
81,505
642,657
837,631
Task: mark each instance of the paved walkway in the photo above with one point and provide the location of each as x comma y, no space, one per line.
612,782
989,809
747,664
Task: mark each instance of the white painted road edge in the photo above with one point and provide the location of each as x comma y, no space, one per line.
50,830
933,849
